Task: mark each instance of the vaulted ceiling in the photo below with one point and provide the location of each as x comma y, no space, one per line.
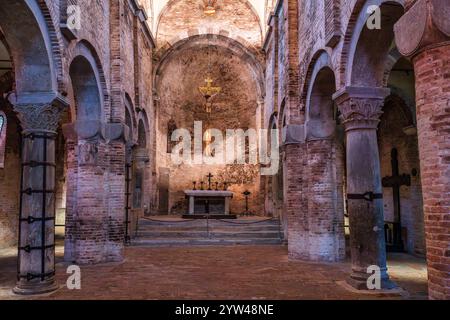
245,19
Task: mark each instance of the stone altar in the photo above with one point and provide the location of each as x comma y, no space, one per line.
208,202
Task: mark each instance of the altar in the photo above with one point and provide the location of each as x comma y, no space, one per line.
203,203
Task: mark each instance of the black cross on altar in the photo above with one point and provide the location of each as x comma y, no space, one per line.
395,182
209,176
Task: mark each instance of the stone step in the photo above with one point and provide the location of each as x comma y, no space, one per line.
151,234
203,242
156,233
192,223
204,227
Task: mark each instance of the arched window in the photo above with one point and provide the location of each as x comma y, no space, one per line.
2,139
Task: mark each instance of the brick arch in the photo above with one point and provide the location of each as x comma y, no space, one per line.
398,101
246,54
352,36
29,30
86,50
57,43
194,31
143,140
319,60
320,117
392,58
86,54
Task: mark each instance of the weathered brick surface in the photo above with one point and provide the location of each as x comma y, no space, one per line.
433,121
236,19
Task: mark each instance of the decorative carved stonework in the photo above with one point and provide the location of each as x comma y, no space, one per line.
425,24
361,113
38,116
361,107
87,153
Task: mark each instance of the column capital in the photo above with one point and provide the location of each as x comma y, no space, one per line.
39,117
423,26
38,111
360,107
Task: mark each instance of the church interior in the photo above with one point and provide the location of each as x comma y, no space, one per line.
225,149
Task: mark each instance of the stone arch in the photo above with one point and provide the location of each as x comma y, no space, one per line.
196,30
246,54
358,59
87,83
29,35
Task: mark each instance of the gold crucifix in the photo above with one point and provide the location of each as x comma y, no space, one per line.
209,91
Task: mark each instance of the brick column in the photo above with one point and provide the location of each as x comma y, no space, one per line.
423,34
361,111
325,201
36,252
95,192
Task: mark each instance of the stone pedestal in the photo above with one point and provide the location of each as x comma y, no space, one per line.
423,35
36,252
208,194
361,111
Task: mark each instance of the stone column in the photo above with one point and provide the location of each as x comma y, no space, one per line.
423,34
361,111
36,253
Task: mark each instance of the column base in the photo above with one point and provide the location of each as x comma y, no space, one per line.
359,281
34,288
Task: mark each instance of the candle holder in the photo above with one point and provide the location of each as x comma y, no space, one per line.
246,193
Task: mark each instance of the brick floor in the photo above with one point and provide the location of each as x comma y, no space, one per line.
261,272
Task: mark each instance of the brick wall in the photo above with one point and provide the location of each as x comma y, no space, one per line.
433,96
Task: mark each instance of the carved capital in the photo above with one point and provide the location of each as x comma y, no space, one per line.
43,117
425,24
360,113
361,108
